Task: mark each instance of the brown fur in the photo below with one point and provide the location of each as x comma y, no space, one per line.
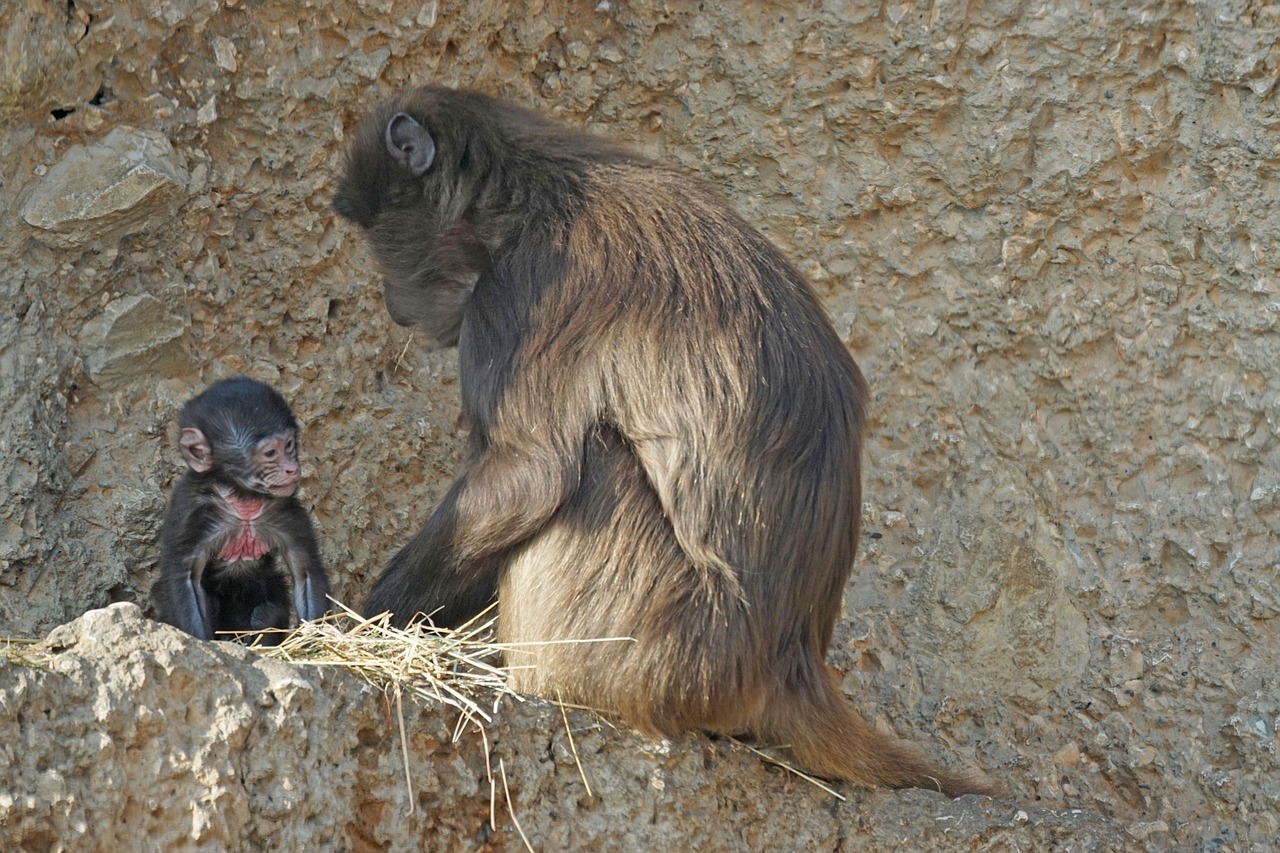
665,430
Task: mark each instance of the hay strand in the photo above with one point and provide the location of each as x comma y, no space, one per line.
458,667
791,768
564,715
511,809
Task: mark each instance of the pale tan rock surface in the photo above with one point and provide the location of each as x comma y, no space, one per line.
133,736
100,193
1047,232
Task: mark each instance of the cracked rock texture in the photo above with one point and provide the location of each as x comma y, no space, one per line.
133,736
1047,233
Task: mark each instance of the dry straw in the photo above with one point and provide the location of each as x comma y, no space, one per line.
22,651
458,667
454,667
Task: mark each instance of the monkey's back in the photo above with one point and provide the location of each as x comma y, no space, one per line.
714,335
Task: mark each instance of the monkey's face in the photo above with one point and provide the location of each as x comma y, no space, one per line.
268,466
274,466
398,297
241,432
414,177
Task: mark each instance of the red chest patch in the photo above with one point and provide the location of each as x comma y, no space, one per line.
246,545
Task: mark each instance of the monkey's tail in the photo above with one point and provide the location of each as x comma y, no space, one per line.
828,738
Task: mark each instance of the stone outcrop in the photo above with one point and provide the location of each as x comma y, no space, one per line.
131,735
106,191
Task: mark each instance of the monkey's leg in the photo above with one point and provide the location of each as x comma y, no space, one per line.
668,653
449,570
269,615
619,618
269,608
670,646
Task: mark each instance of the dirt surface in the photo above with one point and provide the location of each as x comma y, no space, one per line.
129,735
1046,234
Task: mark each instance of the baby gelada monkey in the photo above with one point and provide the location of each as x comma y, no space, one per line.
233,515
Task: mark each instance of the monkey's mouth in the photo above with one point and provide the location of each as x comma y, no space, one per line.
283,490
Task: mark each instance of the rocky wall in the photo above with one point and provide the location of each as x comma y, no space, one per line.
130,735
1045,230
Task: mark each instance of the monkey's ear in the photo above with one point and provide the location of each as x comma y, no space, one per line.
409,143
196,450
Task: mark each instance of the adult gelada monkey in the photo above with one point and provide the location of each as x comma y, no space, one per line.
664,430
232,513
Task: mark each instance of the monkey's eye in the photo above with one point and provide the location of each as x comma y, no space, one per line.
269,453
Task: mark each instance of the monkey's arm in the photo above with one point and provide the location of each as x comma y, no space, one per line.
449,570
188,605
185,554
301,554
